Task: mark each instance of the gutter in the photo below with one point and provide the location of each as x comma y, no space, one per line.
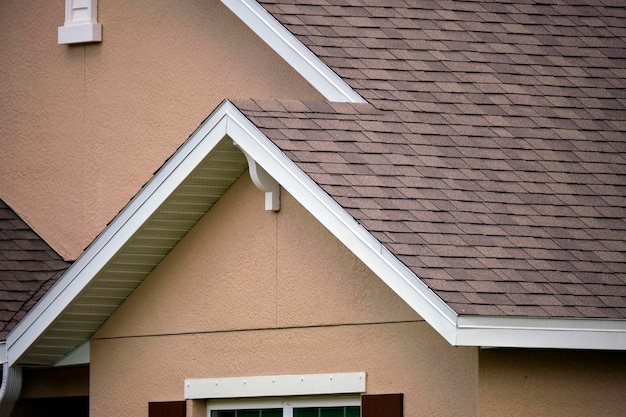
11,384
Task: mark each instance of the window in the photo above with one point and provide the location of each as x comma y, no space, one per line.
287,407
304,395
270,412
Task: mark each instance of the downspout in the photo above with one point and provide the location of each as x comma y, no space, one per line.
11,384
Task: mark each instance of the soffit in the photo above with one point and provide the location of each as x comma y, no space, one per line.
140,255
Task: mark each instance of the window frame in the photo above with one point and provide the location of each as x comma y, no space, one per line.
286,403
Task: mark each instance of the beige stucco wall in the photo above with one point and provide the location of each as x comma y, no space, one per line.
250,292
552,383
83,127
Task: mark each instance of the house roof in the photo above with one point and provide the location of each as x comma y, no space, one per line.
28,268
482,64
484,180
491,160
495,226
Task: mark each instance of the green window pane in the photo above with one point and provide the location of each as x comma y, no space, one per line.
306,412
353,411
275,412
332,412
270,412
248,413
225,413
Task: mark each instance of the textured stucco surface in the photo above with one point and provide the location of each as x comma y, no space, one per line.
552,383
83,127
250,292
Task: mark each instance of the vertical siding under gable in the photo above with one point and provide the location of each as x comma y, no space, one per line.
250,292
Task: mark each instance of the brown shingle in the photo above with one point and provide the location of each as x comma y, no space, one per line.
28,267
502,128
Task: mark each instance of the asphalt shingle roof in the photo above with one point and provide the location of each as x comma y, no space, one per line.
28,268
490,159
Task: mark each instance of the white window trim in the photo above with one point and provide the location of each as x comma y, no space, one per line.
275,386
286,403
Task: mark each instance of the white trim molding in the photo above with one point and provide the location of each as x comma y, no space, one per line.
81,23
537,332
275,386
264,182
285,44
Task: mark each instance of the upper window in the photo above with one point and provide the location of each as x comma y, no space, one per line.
287,407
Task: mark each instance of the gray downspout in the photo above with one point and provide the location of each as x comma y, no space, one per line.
10,388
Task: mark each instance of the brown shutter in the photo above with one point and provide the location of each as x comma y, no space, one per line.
167,409
385,405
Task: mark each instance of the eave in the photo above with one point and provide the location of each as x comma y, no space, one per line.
129,248
160,215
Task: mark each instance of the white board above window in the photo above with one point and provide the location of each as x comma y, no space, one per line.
275,385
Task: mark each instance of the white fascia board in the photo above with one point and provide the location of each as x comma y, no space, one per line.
343,226
275,386
536,332
285,44
3,352
115,235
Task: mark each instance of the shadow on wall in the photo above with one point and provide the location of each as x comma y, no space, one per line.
52,407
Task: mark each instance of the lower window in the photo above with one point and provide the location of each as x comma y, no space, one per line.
287,407
270,412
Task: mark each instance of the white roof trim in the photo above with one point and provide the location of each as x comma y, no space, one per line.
285,44
114,236
537,332
228,120
275,385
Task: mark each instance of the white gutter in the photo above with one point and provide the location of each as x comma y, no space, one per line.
540,332
11,384
285,44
